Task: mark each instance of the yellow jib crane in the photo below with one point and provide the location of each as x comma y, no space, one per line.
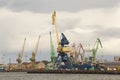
32,59
20,55
62,47
59,48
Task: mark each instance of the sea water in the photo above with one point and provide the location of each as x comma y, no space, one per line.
25,76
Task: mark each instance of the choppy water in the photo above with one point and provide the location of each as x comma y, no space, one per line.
25,76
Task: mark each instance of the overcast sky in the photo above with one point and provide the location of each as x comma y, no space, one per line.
82,21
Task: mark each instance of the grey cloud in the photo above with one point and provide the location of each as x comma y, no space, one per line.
98,31
101,31
68,24
91,27
3,3
107,33
59,5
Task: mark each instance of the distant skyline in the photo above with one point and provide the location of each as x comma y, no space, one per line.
82,21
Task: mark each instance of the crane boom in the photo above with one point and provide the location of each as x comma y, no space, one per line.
32,59
23,48
37,45
56,29
83,53
20,55
94,50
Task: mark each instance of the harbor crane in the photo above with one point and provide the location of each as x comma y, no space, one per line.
80,47
32,59
77,51
20,55
52,50
50,65
62,46
95,49
74,54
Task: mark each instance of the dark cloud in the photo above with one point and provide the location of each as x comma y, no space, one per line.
59,5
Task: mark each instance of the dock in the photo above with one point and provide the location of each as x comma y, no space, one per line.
71,72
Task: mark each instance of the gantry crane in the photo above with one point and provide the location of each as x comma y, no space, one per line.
20,55
52,50
95,49
32,59
62,45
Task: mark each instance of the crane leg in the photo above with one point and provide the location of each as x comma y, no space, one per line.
63,61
